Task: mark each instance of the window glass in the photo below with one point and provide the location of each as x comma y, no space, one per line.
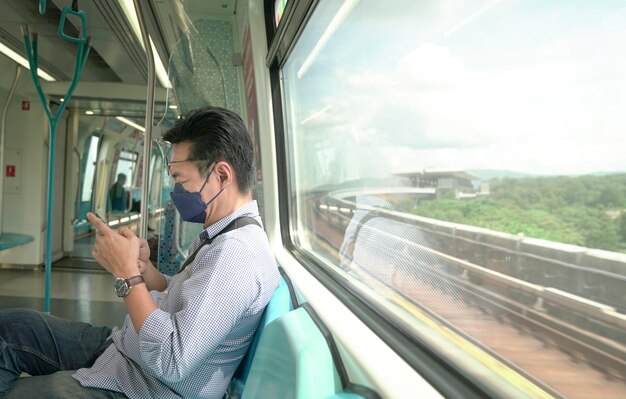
90,168
459,161
126,165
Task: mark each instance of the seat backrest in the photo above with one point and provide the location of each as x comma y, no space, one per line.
292,361
277,306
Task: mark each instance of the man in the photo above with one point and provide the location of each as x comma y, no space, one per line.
184,335
118,196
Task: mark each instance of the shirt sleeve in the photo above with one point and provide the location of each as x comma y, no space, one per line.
168,280
219,292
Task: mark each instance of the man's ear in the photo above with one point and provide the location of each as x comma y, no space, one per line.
225,172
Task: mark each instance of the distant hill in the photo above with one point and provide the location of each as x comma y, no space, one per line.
488,174
606,173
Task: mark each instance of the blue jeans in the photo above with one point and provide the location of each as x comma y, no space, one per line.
50,349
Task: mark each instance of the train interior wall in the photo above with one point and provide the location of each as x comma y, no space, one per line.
25,193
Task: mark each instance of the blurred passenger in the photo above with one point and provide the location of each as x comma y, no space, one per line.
184,335
366,209
118,196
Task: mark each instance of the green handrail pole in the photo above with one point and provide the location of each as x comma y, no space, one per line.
48,253
32,61
81,56
51,154
31,52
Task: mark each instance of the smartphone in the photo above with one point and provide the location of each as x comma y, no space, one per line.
101,218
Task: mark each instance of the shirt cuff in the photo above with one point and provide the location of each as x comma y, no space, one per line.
168,280
154,332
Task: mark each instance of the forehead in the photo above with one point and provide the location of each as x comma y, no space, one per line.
184,170
180,151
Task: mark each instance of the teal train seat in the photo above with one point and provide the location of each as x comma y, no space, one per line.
293,355
10,240
292,361
279,304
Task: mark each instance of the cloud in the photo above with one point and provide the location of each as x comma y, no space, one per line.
548,100
410,105
429,67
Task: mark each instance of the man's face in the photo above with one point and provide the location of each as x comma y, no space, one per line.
187,173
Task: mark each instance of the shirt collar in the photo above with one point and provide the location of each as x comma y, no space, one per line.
250,209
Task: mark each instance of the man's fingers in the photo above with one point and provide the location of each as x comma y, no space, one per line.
98,224
127,233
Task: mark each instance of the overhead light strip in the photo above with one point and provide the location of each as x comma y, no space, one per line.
24,62
131,15
130,123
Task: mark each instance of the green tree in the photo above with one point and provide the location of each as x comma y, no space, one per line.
574,210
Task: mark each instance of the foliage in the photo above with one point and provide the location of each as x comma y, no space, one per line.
585,210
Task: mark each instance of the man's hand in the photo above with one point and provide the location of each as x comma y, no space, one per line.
117,253
144,254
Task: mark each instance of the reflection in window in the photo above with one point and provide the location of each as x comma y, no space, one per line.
90,168
126,165
458,160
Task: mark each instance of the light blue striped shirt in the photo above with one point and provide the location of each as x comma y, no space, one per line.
206,318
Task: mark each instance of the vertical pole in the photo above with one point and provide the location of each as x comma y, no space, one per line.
72,179
48,251
147,138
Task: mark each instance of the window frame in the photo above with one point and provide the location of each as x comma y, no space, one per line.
445,376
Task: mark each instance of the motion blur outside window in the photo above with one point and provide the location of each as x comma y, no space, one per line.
462,162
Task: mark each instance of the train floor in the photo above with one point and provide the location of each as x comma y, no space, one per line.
79,293
80,289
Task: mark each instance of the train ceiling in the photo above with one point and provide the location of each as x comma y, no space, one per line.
116,56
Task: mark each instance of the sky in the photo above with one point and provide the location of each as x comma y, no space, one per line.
524,85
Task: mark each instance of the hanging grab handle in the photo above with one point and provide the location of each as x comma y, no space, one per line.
42,7
82,51
82,38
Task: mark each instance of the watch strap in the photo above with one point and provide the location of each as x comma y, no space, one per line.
135,280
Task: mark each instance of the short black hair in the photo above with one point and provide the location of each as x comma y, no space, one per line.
216,134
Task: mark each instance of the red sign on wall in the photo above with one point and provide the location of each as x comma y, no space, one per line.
10,171
25,105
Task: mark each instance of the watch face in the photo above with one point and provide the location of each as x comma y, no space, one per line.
121,287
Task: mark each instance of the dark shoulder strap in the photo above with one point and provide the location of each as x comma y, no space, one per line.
235,224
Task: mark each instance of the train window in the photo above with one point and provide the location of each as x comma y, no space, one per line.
90,168
457,162
126,164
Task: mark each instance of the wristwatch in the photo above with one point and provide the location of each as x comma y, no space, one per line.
122,286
